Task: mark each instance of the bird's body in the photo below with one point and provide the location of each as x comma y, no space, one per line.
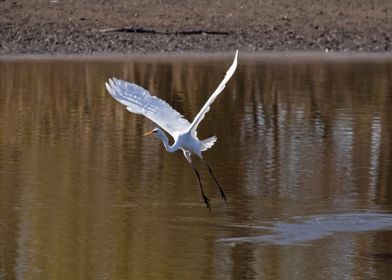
139,101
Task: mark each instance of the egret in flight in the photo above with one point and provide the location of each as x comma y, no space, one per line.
138,100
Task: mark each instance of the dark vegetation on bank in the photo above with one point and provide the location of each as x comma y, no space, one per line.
87,26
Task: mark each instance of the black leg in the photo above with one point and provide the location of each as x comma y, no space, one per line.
223,195
206,199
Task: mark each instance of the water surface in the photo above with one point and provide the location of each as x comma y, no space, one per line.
304,153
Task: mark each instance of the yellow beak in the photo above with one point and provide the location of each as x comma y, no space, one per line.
148,133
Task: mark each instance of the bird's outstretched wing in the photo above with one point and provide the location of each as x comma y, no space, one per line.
138,100
200,116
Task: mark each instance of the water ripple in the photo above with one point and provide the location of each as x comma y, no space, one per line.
305,229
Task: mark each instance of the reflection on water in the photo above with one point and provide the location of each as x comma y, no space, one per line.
85,196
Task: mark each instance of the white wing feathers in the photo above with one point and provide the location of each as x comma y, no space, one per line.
139,101
200,116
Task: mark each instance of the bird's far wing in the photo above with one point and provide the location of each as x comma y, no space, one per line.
139,101
200,116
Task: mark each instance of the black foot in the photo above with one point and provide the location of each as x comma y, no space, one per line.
207,202
223,195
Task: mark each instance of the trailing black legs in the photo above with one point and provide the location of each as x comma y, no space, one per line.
223,195
205,198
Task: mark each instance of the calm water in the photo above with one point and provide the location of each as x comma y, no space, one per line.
304,152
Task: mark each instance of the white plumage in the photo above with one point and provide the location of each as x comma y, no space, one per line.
139,101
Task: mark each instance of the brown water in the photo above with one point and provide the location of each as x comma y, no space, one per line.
304,152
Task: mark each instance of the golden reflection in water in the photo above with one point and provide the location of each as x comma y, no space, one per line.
85,196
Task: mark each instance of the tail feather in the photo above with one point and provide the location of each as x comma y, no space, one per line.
208,143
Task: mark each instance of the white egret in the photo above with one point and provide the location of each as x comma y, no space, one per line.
139,101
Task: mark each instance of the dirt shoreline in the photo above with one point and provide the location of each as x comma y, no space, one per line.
151,26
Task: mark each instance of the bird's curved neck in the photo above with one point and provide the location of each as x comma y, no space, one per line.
162,136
